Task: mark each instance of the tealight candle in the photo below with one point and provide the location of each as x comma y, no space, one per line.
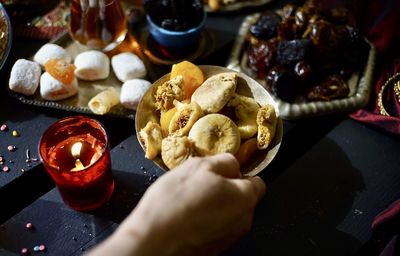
76,153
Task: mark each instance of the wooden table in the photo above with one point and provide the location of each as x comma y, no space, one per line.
331,177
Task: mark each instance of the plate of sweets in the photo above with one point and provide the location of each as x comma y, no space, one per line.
310,58
231,5
66,75
205,110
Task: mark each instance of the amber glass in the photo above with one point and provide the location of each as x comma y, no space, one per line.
98,24
89,184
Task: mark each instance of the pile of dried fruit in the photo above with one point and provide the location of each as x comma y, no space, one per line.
200,116
306,53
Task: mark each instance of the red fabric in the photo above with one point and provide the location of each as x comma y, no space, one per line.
385,35
387,216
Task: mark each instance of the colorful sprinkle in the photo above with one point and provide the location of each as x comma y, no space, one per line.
29,225
3,127
36,248
2,159
22,170
6,168
11,147
25,251
42,248
15,133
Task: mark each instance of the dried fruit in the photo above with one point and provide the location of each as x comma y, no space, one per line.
192,75
261,56
165,119
60,70
333,87
246,150
265,26
292,51
283,83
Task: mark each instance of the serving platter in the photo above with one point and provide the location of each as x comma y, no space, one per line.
5,35
247,86
237,5
359,83
86,89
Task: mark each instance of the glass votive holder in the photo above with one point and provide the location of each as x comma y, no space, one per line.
76,153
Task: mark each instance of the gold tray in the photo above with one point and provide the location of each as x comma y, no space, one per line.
247,86
86,89
238,5
360,83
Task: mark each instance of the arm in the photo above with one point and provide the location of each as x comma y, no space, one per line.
199,208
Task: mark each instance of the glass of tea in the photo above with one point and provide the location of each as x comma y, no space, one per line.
98,24
76,153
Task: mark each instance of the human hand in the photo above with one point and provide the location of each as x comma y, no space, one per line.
199,208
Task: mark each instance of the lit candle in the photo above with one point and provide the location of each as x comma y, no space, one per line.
76,153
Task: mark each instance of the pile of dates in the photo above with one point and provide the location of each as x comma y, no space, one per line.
175,15
306,53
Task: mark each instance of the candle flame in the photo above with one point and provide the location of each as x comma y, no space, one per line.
76,149
76,152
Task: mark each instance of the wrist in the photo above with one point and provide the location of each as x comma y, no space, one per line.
149,237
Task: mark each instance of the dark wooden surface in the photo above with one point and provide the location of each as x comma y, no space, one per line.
330,178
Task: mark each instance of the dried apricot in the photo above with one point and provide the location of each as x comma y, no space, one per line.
60,70
246,150
193,77
165,119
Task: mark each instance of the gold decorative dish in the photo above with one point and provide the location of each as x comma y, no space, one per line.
5,35
359,83
247,86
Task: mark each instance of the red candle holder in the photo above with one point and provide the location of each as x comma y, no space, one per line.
76,153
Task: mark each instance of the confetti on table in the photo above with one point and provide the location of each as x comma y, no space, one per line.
6,168
29,225
42,248
25,251
11,148
3,127
15,133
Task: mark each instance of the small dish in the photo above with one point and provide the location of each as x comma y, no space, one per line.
236,5
176,39
5,35
146,111
160,55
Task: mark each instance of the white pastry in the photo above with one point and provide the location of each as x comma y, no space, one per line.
128,66
92,65
52,89
24,77
51,51
104,101
132,91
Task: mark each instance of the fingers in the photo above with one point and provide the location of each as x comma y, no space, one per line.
253,187
259,186
225,165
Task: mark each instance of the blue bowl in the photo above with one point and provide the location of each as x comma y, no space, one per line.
175,39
